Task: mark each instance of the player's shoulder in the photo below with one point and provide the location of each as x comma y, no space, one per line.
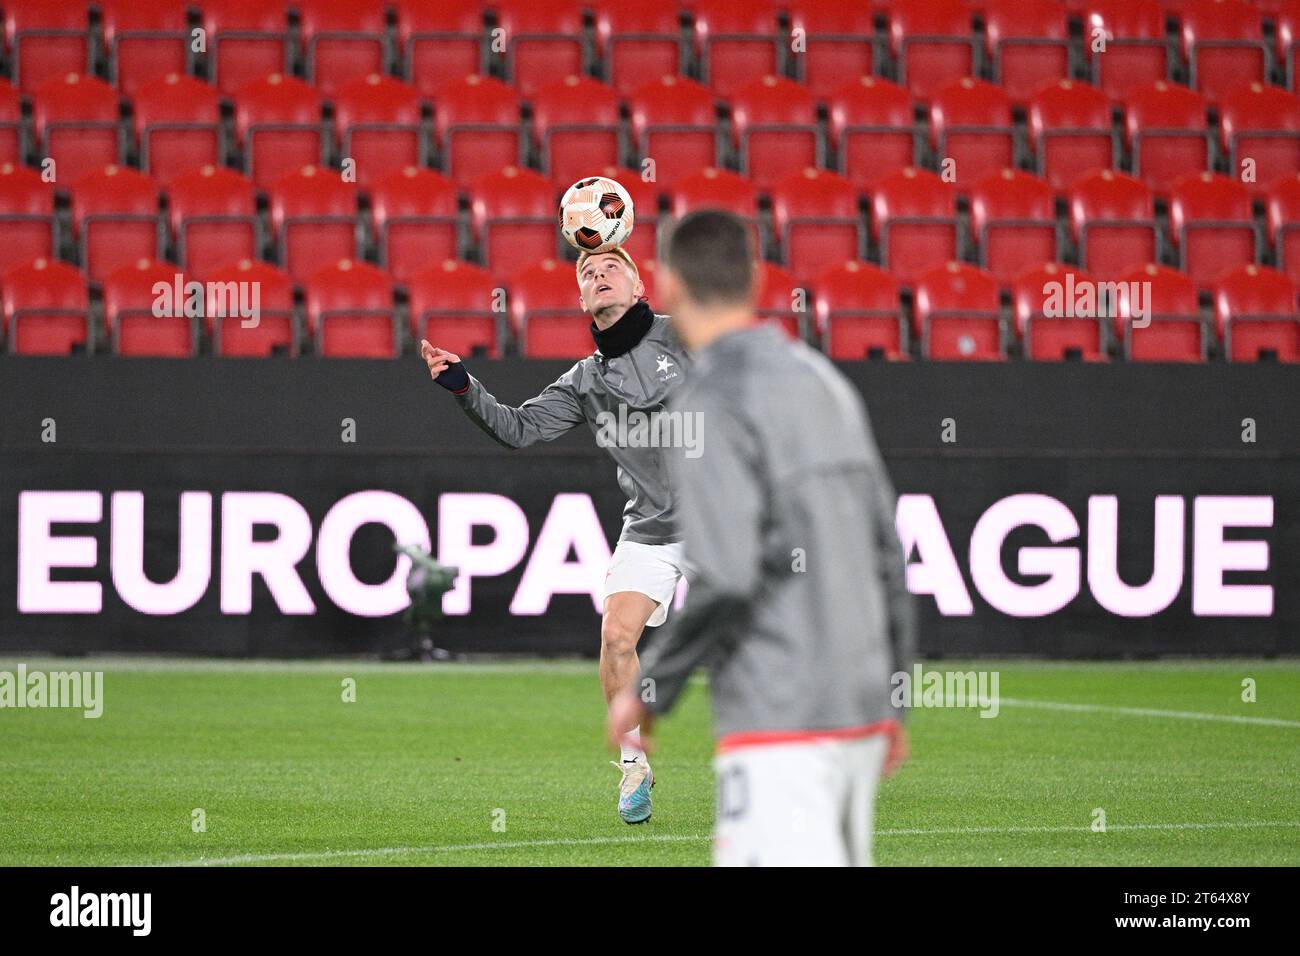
662,329
579,373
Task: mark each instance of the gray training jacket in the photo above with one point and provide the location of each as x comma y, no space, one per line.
798,601
640,380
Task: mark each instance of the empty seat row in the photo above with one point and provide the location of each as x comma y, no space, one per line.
351,309
1054,311
726,43
907,221
673,126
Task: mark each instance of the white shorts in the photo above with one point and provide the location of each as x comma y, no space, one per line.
796,803
652,569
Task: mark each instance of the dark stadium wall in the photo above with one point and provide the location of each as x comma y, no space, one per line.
1030,497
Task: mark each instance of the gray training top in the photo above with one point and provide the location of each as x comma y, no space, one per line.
638,380
798,601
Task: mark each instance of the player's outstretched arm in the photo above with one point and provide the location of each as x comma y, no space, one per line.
542,418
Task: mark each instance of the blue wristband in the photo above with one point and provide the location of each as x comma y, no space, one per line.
454,378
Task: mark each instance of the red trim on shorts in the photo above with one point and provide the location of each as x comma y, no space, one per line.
764,738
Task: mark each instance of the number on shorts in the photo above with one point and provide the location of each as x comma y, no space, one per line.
733,793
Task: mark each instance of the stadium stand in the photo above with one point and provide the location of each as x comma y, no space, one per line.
879,151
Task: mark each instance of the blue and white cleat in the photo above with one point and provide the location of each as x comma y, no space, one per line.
634,790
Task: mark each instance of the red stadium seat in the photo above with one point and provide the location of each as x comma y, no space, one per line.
1283,225
871,128
377,119
1045,314
278,123
971,124
342,40
145,40
273,330
641,245
858,312
648,269
1167,133
817,222
933,42
914,221
543,40
46,308
1070,131
1136,51
958,314
722,189
130,317
774,128
1260,126
477,122
1028,43
350,311
314,218
46,39
548,321
839,38
575,127
415,213
440,42
247,39
1223,43
1113,218
115,219
1257,315
1212,225
638,40
1171,328
778,300
737,42
674,122
1013,221
213,212
26,215
513,214
456,306
11,124
1288,39
75,119
178,124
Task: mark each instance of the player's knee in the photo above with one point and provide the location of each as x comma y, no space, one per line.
619,634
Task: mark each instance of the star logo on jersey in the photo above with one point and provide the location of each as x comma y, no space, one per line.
662,366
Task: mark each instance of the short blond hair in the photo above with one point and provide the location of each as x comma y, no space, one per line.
617,251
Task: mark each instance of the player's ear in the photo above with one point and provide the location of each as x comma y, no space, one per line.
638,289
582,303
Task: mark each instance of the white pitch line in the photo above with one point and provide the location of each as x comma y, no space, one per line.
455,848
1147,712
1230,825
685,838
206,666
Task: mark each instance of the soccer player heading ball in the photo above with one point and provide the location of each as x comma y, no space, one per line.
638,362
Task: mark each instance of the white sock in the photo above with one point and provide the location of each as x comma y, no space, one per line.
632,746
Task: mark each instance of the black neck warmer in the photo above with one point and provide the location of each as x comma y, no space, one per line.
624,334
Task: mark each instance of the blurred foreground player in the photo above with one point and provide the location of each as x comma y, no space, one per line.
797,599
638,362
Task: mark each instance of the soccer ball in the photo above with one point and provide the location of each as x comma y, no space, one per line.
596,215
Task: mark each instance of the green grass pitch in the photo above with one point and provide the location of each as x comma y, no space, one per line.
502,763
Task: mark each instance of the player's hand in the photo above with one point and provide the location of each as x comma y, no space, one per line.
437,359
625,712
898,751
